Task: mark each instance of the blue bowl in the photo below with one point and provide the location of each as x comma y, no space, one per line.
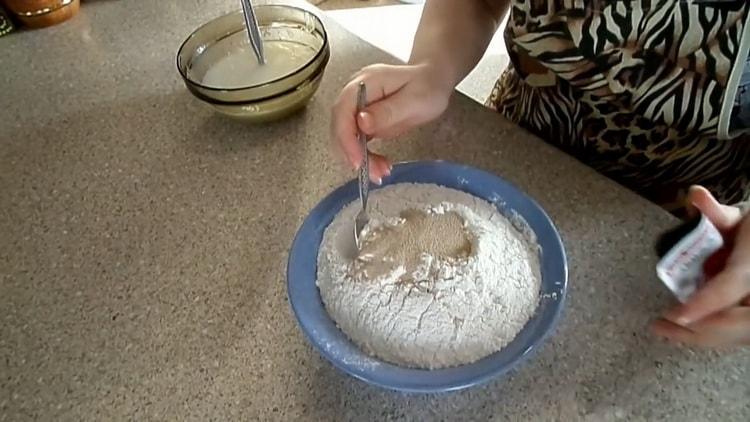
335,346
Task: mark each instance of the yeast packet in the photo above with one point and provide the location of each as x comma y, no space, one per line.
681,268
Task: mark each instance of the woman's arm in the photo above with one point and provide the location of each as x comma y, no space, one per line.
453,35
450,40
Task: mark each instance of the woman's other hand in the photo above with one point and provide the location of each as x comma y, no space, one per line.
718,315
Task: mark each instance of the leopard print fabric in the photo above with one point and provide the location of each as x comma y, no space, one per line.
634,88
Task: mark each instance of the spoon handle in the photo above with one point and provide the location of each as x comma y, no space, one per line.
364,168
253,32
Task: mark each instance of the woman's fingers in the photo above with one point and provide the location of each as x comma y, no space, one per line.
717,314
381,81
730,287
380,168
727,328
727,289
391,117
673,332
724,217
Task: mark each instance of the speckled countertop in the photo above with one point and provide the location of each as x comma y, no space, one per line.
143,242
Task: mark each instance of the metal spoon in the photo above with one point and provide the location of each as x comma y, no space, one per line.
364,171
253,33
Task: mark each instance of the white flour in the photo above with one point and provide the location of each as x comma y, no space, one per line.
465,301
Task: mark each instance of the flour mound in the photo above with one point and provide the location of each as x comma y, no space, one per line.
442,279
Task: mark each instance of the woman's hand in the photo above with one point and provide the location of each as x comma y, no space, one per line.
451,38
399,99
719,313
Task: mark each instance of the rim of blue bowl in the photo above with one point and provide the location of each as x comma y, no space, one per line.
372,370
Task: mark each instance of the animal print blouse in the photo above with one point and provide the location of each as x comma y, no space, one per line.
649,92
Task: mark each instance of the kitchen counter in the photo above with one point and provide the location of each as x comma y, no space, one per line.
144,242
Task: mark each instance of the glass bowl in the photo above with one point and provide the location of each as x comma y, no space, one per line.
218,67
